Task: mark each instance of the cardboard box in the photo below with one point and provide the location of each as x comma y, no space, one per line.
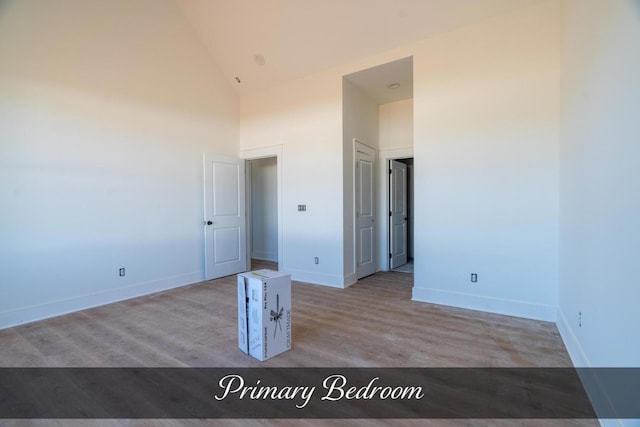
264,313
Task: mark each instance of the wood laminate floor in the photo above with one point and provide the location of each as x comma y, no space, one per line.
373,323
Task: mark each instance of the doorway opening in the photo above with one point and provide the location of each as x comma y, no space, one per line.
401,220
262,213
377,107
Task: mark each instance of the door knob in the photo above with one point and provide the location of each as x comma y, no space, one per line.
209,222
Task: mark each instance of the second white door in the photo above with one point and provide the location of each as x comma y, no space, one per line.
365,210
398,214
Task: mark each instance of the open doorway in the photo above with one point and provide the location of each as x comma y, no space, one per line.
401,220
378,109
263,213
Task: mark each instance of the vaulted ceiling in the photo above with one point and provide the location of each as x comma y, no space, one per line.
263,43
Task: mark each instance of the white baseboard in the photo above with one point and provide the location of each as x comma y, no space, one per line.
609,422
576,353
56,308
313,277
265,256
350,279
580,360
482,303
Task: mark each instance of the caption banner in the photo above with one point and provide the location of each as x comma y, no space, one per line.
507,393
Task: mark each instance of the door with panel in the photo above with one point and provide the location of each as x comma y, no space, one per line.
225,221
365,240
398,214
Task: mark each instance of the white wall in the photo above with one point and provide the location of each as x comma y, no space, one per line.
600,201
396,125
105,110
486,135
102,130
264,209
396,142
304,118
486,131
360,120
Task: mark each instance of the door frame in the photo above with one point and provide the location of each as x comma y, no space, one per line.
397,260
383,202
255,154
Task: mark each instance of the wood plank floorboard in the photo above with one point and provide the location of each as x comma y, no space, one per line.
372,323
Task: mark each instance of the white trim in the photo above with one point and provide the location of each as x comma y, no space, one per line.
397,153
57,308
488,304
265,256
383,202
350,279
576,353
357,141
580,360
261,153
599,398
617,423
314,278
248,209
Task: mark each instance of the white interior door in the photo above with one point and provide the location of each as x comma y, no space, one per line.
365,210
224,216
397,214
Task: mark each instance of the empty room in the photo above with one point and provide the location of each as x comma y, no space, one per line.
448,184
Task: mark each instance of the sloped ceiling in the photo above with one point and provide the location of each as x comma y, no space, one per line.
266,42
